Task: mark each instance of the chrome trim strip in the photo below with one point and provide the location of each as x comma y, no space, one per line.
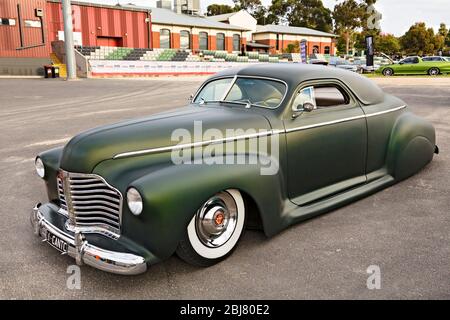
195,144
261,134
322,124
385,111
84,252
345,119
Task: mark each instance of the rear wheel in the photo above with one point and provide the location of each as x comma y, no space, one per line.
388,72
434,71
215,229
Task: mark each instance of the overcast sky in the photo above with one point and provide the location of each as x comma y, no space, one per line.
398,15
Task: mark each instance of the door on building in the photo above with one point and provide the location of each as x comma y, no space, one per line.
109,41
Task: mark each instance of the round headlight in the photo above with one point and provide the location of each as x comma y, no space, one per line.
40,168
134,200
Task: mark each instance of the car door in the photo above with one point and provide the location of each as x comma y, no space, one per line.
326,146
405,66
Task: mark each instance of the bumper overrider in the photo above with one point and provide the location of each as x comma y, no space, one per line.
83,252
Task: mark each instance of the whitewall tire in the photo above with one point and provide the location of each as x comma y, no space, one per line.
215,229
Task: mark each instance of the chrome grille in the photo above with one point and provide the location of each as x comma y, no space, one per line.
91,204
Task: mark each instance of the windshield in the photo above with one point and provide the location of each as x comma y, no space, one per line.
246,91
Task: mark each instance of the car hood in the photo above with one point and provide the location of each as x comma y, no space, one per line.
86,150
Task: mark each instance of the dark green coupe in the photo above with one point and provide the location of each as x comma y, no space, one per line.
274,144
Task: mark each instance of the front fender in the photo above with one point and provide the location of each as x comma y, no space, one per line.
173,194
411,146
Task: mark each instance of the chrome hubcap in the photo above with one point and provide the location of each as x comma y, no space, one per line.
216,220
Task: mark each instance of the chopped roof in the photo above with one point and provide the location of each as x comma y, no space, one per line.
294,74
274,28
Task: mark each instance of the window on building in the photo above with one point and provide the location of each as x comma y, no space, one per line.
164,38
236,42
185,39
33,23
316,49
327,50
7,22
220,41
277,44
203,40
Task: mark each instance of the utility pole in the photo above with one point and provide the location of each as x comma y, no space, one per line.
68,40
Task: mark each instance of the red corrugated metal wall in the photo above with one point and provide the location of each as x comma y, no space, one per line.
10,44
127,25
93,22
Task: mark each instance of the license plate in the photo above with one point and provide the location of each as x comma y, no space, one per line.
57,242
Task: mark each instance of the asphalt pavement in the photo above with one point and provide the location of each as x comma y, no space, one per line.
404,230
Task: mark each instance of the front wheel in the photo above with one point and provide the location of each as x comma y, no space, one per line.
215,229
388,72
434,72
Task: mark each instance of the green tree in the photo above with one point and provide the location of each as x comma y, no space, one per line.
443,31
300,13
310,14
387,44
249,5
216,9
260,14
348,17
351,16
421,40
277,11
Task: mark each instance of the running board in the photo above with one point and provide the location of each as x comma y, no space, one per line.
296,214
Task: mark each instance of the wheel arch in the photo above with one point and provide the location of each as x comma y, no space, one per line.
172,196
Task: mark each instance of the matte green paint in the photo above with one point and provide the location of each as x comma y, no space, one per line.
320,168
421,67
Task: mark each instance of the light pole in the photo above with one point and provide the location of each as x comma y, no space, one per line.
68,40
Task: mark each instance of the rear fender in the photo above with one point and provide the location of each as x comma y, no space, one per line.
411,146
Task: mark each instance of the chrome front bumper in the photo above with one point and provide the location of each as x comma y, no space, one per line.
85,253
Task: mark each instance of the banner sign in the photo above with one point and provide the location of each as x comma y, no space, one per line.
370,51
154,68
303,51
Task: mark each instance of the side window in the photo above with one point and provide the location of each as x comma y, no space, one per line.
306,95
416,60
408,61
330,96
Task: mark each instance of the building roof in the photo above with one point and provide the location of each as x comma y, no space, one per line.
258,45
222,17
274,28
166,16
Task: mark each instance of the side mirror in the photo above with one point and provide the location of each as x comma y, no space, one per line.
306,107
401,62
191,97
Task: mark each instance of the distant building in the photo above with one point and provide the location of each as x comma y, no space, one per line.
188,31
276,38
